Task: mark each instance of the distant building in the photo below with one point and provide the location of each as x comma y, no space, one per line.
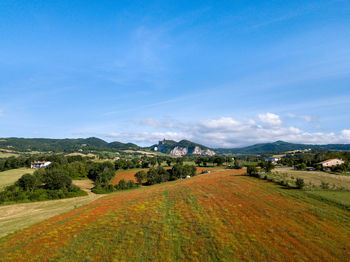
332,162
116,158
273,159
40,164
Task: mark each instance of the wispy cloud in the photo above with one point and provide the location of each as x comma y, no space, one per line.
308,119
275,20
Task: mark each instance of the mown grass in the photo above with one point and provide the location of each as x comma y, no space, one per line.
18,216
222,216
11,176
316,177
340,197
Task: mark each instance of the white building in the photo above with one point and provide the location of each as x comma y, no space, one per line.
332,162
273,159
40,164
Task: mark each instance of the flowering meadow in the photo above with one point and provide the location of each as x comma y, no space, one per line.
221,216
129,174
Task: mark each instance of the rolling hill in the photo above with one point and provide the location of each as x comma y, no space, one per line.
63,145
221,216
279,147
183,147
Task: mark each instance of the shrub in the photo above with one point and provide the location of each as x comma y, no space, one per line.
324,185
57,179
27,182
140,176
252,171
300,183
123,185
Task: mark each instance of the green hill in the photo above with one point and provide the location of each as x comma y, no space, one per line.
279,147
62,145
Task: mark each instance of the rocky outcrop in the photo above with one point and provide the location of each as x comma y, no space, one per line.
207,152
182,151
179,151
184,147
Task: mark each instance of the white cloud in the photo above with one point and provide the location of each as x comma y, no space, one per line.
345,134
308,119
229,132
270,119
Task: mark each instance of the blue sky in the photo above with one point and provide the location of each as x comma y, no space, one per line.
221,73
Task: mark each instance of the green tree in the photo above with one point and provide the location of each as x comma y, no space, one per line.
27,182
267,166
140,176
169,161
198,161
57,179
153,161
152,176
252,171
122,185
301,166
219,160
238,164
179,160
159,161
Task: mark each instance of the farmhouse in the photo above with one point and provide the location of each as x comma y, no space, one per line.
272,159
40,164
331,162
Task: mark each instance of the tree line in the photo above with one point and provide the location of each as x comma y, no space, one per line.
302,161
52,182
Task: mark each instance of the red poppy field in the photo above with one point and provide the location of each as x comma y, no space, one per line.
222,216
129,174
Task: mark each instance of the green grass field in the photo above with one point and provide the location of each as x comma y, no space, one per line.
18,216
11,176
341,197
316,177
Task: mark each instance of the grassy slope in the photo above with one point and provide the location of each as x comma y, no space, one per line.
219,217
316,177
342,197
11,176
18,216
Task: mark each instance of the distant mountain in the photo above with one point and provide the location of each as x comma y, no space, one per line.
279,147
184,147
62,145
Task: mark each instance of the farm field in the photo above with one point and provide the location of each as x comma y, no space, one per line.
129,174
342,197
222,216
11,176
316,177
18,216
